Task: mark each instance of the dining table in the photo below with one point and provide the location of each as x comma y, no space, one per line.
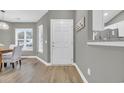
2,51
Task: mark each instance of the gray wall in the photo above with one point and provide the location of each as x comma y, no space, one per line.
45,20
106,63
5,35
116,19
8,37
25,25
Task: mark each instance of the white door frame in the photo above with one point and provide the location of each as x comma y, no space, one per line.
51,39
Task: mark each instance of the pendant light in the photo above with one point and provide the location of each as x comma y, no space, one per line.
3,25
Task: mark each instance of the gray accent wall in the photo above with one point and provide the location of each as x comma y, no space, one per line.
106,63
25,25
45,20
8,37
5,35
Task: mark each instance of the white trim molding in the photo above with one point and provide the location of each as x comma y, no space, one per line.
28,56
81,74
61,65
43,61
50,64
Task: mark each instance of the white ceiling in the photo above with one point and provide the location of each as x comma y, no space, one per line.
111,14
22,15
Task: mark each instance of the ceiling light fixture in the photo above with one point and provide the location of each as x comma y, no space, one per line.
105,14
3,25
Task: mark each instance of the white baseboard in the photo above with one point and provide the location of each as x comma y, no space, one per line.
81,74
28,56
62,64
43,61
49,64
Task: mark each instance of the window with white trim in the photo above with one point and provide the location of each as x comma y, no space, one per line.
40,32
24,36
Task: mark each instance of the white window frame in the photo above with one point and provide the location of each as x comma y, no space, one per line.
16,39
40,39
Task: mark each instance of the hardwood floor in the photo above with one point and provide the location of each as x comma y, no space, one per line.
34,71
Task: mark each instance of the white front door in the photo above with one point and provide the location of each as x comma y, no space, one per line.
61,41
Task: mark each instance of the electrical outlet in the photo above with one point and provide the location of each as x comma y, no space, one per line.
89,71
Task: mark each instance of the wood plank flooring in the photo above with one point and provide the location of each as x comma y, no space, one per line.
34,71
